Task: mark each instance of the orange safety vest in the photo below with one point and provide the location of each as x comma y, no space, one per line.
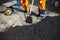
42,5
25,4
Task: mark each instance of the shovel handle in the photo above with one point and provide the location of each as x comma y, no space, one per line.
31,6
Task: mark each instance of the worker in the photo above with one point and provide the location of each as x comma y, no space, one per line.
41,8
25,4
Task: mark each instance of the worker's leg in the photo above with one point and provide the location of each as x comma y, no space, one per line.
27,8
42,12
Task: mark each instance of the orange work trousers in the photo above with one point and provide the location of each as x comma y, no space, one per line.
25,4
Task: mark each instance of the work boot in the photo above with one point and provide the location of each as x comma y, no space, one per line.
42,16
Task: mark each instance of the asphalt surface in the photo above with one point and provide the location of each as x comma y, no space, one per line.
48,29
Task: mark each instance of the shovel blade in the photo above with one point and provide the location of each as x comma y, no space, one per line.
29,19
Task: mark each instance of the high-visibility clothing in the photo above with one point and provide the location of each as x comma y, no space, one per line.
42,4
25,4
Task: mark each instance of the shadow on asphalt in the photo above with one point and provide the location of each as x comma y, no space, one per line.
48,29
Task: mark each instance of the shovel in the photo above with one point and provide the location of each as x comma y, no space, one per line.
29,18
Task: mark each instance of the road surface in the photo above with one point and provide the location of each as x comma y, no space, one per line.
15,28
